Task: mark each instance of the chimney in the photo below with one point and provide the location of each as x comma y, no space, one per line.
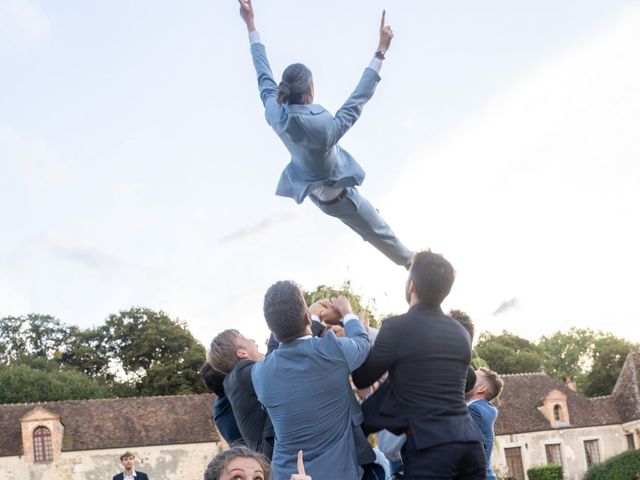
570,382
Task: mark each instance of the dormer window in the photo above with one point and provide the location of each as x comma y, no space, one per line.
42,433
557,410
42,448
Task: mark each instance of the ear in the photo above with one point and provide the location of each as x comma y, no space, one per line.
241,353
307,317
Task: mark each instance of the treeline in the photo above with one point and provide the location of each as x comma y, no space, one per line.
140,352
593,358
137,352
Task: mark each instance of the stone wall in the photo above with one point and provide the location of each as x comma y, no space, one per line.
611,441
170,462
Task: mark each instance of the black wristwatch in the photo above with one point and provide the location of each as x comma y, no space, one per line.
379,54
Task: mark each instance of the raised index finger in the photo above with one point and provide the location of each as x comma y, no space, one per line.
382,21
300,463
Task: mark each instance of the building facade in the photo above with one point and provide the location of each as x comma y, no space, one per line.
542,421
171,437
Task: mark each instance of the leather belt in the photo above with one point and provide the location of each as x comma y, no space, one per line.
333,201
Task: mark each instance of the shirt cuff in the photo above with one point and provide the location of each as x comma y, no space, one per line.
348,317
375,64
254,37
315,318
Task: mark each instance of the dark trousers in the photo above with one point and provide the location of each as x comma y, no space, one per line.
450,461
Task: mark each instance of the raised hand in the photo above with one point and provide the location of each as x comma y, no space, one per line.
301,475
342,305
246,12
386,34
325,312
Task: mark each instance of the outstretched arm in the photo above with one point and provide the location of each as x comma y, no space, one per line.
352,108
266,83
246,12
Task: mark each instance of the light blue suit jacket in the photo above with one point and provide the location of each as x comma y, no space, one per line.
311,134
485,414
305,388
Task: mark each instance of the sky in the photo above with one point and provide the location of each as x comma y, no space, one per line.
136,167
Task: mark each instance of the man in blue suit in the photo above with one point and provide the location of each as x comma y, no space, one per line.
319,167
488,386
305,388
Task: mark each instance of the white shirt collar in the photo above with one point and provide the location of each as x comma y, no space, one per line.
306,337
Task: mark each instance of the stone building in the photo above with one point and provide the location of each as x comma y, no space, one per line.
171,437
542,420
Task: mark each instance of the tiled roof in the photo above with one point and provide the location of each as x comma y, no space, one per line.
626,393
117,423
524,393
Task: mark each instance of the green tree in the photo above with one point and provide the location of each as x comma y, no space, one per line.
609,354
24,383
593,359
158,355
508,353
569,353
87,351
32,335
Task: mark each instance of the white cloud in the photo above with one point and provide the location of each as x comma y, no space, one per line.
22,21
536,197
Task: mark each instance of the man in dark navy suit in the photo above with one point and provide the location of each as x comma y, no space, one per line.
235,355
427,355
222,413
129,472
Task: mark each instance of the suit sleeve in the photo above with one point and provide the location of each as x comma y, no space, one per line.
355,344
266,84
272,345
347,115
381,358
476,413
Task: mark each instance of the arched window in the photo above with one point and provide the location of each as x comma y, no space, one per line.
42,449
556,412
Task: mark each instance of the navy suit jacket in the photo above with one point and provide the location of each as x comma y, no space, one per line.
305,387
310,134
427,355
251,417
225,420
485,414
139,476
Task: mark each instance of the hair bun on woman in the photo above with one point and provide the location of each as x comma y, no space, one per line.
283,93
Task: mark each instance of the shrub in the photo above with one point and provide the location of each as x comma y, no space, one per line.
625,466
545,472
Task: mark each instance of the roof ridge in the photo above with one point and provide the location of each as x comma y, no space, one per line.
634,373
524,374
100,399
